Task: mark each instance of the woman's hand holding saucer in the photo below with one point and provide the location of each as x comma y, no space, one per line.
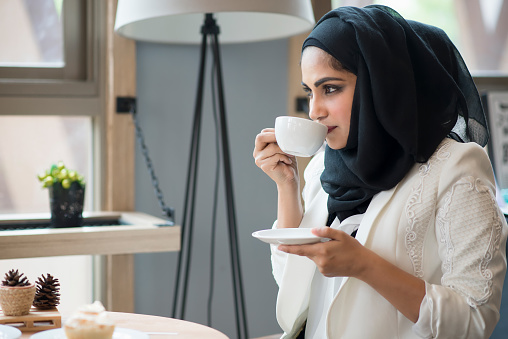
342,256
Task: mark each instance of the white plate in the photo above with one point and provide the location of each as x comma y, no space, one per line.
288,236
9,332
120,333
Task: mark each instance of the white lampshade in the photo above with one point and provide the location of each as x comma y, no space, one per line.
179,21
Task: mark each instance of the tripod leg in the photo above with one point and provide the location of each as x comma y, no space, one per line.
184,255
228,178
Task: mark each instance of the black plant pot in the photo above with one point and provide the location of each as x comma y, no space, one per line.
66,205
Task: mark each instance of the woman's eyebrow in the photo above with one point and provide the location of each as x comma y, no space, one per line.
323,80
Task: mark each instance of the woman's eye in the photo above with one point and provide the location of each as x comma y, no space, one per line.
307,91
330,89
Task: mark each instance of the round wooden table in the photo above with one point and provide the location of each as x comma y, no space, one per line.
161,327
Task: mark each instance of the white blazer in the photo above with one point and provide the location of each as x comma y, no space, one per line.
441,223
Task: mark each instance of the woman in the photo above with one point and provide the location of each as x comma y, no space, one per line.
417,245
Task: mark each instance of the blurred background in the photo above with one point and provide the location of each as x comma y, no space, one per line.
39,127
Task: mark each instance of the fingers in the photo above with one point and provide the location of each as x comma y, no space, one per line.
267,152
317,249
264,138
328,232
279,166
341,256
301,250
272,151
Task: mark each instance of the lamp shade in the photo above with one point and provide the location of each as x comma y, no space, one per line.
179,21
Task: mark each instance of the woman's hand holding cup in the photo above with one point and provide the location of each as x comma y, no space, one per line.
276,148
275,153
279,166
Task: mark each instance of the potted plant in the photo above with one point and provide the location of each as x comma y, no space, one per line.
66,195
16,294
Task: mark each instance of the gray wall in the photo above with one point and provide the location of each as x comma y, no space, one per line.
255,91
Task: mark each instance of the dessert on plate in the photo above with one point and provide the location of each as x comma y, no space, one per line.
90,322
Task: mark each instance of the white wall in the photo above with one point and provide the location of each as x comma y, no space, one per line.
255,92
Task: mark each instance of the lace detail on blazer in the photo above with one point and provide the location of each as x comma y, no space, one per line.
466,263
420,208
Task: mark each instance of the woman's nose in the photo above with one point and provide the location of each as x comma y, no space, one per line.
316,110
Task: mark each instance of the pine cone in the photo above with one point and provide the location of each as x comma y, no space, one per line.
14,279
47,294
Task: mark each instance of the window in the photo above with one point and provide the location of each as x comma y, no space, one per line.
50,93
39,39
478,28
52,103
28,146
51,66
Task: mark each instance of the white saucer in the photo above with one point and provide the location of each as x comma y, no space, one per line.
120,333
288,236
9,332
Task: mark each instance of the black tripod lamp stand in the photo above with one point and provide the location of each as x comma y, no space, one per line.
209,30
178,21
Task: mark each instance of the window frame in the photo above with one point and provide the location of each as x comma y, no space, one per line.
111,74
73,90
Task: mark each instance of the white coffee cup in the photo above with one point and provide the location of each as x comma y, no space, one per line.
298,136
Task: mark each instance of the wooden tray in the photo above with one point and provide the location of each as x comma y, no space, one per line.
35,321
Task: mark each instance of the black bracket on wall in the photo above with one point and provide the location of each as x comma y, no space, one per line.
125,104
302,105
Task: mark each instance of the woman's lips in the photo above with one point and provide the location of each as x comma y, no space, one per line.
331,128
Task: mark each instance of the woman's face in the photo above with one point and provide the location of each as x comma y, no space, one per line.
330,94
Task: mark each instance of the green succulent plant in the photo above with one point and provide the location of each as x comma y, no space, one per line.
58,173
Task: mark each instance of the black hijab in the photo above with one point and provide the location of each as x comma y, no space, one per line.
412,90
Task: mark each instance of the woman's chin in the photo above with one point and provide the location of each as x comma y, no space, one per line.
334,144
